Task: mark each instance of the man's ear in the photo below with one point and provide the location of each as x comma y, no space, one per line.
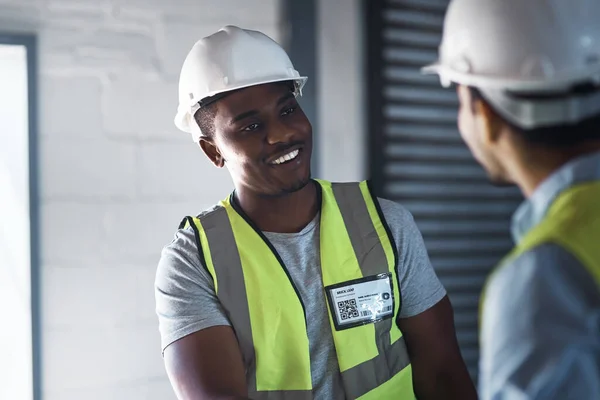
490,124
212,152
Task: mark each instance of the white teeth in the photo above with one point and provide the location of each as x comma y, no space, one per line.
287,157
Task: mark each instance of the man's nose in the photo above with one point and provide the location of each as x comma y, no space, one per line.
280,133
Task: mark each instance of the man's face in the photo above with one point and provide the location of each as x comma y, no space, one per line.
474,126
264,139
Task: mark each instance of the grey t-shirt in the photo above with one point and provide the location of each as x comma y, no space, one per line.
186,301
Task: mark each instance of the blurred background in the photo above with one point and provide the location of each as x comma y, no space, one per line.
95,178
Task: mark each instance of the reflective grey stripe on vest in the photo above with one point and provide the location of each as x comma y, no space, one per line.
231,287
283,395
365,377
372,259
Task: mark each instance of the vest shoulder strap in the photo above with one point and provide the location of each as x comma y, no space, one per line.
195,223
357,195
572,222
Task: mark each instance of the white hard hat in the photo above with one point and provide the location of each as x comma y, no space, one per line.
230,59
526,46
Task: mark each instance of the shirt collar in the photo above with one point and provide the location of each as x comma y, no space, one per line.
534,209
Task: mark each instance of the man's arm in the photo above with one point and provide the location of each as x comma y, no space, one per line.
201,352
207,365
439,371
426,317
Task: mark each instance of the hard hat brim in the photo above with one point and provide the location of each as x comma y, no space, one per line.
449,75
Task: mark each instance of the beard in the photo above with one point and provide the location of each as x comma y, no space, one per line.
289,188
296,186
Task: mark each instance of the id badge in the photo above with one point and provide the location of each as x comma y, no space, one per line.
361,301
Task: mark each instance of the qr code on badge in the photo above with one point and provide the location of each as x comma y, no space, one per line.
347,309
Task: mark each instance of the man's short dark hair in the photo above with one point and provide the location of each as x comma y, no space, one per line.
205,118
565,135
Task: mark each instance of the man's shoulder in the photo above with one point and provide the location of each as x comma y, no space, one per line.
396,215
536,263
399,220
199,215
184,237
209,210
544,270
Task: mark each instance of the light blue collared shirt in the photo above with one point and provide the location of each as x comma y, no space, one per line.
540,336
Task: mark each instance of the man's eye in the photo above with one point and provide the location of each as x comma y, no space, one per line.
289,111
251,127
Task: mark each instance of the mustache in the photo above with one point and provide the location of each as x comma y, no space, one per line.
284,147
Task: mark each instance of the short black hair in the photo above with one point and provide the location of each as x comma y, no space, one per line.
564,135
205,118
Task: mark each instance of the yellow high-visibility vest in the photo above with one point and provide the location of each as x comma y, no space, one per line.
573,223
358,255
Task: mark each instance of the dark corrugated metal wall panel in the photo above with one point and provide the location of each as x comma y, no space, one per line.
418,158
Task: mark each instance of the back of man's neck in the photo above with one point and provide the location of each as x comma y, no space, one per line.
282,214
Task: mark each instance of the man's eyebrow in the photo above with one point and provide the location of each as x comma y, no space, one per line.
251,113
244,115
285,97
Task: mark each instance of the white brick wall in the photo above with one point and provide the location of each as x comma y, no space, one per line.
116,177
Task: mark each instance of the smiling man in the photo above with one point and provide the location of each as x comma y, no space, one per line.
292,288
